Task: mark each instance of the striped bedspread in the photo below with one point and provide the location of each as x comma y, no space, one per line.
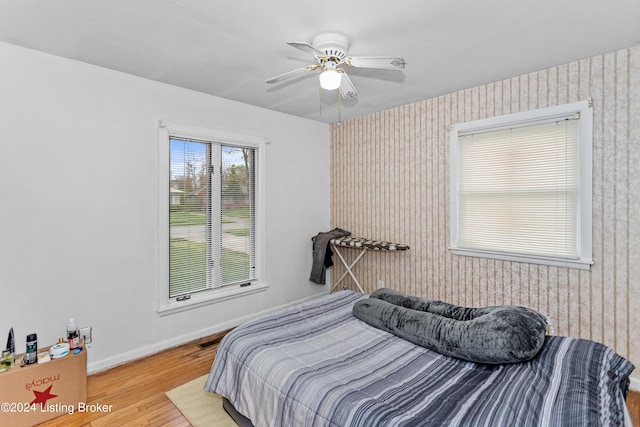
315,364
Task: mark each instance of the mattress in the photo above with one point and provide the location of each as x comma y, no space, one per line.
315,364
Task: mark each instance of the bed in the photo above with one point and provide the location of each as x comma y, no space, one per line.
316,364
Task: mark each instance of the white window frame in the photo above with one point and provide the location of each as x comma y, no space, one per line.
167,130
584,208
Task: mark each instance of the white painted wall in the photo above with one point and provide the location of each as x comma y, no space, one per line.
79,217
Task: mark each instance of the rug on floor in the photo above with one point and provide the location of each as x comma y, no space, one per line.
198,406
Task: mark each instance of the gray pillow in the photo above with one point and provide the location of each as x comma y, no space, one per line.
491,335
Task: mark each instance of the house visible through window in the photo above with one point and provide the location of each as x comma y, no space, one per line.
211,216
521,187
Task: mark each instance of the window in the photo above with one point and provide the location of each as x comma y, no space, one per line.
521,187
209,246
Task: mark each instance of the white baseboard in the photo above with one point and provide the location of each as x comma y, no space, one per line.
635,384
101,365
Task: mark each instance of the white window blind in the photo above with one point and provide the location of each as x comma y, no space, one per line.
238,214
189,219
522,187
211,216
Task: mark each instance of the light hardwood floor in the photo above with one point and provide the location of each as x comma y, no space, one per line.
137,389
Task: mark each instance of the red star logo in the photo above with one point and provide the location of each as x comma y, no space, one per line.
43,396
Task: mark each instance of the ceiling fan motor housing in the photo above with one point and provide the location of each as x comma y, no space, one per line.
332,44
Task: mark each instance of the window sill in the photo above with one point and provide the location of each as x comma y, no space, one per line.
579,264
211,297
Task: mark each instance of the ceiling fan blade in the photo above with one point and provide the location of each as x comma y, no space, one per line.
388,62
290,74
306,47
347,89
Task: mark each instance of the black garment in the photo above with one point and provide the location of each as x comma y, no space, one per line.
322,254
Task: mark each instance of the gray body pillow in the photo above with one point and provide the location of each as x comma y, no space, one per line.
491,335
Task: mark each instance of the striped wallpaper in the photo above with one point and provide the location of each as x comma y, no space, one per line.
390,180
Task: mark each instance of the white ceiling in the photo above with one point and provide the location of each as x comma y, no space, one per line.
228,48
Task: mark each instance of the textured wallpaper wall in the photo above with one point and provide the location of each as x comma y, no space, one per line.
390,180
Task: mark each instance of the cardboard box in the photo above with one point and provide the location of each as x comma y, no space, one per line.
35,393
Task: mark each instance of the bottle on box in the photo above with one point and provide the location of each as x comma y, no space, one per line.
6,362
11,343
32,349
73,337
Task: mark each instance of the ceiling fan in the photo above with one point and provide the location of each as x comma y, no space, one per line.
331,51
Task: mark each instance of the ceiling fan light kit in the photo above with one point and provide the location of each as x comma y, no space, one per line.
331,51
330,79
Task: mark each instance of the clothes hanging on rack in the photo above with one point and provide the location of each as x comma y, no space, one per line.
322,253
